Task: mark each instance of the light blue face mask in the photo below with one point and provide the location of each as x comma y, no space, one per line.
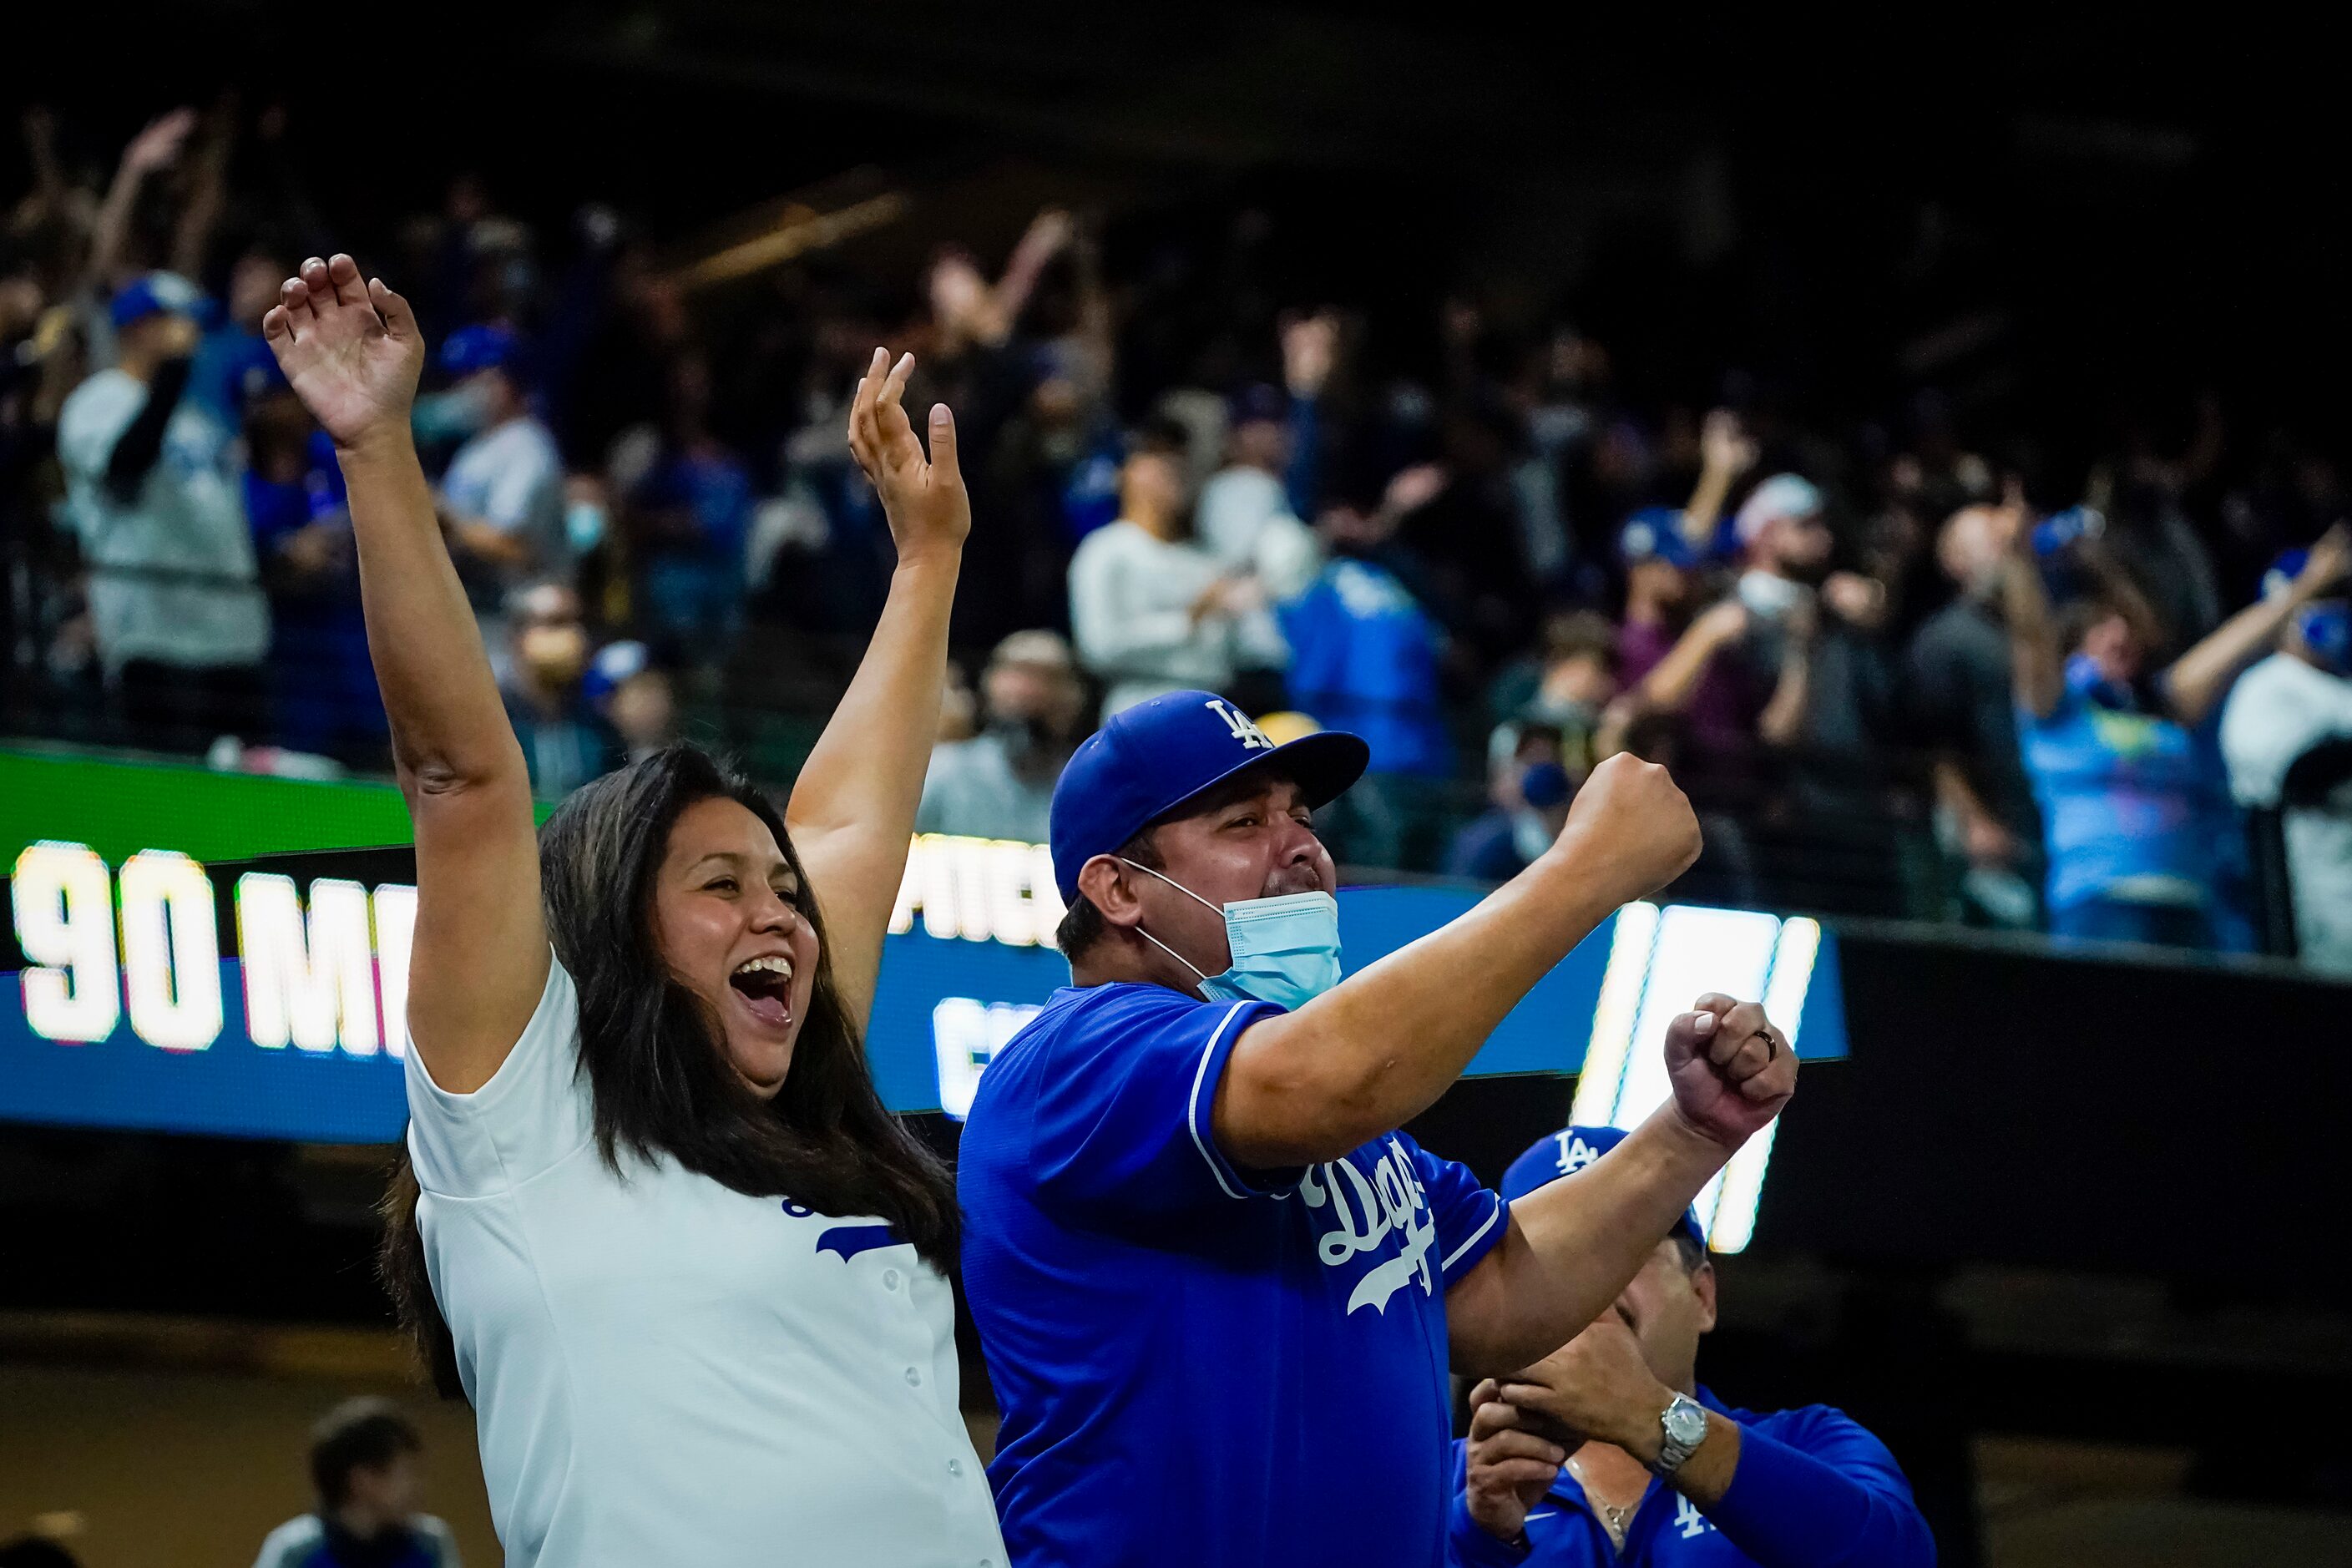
1285,949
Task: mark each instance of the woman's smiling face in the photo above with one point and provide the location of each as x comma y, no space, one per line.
727,917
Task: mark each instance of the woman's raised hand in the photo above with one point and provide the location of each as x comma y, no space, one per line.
350,350
924,499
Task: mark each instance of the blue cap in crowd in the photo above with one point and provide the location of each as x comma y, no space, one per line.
155,294
2327,627
1567,1152
1655,533
1259,403
1545,784
1149,759
615,665
2284,572
487,346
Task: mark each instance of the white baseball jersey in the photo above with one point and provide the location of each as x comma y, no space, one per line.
663,1370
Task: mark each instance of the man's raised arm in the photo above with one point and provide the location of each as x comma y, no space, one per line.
1376,1050
1572,1244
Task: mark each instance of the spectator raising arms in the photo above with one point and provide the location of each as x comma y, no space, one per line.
2141,843
2286,732
1966,712
153,490
655,1223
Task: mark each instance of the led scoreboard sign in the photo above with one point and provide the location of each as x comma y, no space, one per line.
266,997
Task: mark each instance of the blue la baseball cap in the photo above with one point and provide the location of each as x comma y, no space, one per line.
1655,533
1567,1152
1149,759
2284,572
486,346
155,294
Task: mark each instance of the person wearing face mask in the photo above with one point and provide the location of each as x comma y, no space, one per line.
2287,734
1219,1289
502,497
654,1221
1530,790
1000,783
2141,839
565,741
1570,1464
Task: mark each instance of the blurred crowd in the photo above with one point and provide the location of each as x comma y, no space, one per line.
1905,661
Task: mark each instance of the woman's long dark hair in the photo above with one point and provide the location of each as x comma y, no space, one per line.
652,1053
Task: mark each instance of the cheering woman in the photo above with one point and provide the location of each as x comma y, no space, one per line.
660,1229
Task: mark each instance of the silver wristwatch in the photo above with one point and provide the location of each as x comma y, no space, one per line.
1682,1428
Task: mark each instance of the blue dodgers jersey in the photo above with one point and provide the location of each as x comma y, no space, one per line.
1199,1364
1812,1488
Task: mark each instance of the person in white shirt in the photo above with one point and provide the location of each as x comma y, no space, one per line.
502,494
367,1465
2295,705
152,492
655,1221
1150,611
1246,522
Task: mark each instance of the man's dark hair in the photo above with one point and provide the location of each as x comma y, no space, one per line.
1694,1253
650,1047
1083,924
355,1434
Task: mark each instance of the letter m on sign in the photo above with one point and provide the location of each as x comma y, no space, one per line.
1239,722
316,986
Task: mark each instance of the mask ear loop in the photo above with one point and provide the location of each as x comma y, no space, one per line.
1189,893
1169,952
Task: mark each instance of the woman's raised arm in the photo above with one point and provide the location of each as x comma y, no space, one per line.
351,351
852,814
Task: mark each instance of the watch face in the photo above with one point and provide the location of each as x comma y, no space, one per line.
1686,1422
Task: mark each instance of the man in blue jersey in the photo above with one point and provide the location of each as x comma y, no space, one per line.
1219,1290
1569,1466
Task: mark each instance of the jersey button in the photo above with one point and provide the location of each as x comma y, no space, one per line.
914,1378
955,1467
890,1279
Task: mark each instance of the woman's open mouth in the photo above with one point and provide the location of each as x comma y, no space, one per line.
765,986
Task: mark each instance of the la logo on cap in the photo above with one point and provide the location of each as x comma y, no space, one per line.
1244,728
1575,1153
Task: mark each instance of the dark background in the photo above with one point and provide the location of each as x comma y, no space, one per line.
2059,223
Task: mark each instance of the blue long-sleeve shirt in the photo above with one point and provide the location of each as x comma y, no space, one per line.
1812,1490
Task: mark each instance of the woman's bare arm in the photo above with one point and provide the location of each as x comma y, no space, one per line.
351,351
852,814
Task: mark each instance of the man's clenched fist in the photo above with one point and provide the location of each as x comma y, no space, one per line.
1732,1070
1638,825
